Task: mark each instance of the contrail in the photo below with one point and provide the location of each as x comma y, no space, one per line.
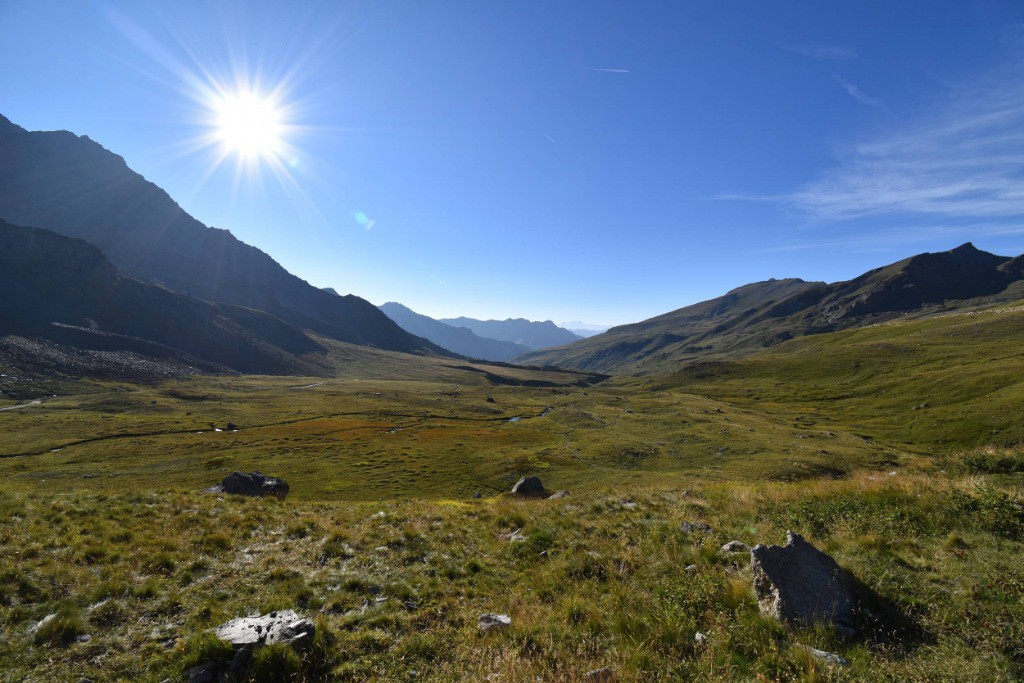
550,138
611,71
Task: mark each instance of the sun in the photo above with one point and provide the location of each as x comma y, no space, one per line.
249,124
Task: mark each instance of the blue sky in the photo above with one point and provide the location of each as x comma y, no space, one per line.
598,161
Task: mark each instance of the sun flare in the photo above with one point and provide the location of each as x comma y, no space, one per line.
249,124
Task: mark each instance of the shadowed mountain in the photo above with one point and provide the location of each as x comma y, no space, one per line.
73,186
532,335
458,339
65,290
763,314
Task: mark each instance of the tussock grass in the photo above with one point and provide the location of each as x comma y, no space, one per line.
595,582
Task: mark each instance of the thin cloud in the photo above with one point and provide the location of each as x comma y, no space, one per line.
824,52
856,93
894,239
963,160
551,139
611,71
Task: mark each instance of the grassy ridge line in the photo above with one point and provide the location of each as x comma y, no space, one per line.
964,373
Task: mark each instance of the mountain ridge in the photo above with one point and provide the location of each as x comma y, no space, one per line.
65,290
460,340
763,314
72,185
532,334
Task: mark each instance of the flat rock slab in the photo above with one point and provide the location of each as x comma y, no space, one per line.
494,622
254,484
735,547
800,585
284,626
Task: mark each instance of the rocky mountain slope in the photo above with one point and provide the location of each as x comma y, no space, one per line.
763,314
461,340
73,186
65,290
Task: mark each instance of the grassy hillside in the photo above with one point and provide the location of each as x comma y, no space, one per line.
763,314
381,542
937,382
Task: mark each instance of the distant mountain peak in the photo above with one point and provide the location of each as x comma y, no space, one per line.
765,313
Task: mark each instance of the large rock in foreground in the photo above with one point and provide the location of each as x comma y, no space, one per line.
245,635
800,585
529,487
284,626
252,484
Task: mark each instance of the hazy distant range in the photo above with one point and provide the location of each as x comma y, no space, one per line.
496,340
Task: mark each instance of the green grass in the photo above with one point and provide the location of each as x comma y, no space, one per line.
594,584
103,523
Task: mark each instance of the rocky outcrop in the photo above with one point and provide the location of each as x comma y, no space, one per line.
529,487
245,634
284,626
252,484
800,585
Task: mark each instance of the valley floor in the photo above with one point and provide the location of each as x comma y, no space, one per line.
896,449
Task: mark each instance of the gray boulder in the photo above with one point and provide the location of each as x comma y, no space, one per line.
284,626
529,487
696,527
252,484
800,585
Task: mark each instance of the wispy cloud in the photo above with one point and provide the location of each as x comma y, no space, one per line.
856,93
962,160
611,71
896,239
824,52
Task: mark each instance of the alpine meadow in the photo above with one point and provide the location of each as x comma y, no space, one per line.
788,446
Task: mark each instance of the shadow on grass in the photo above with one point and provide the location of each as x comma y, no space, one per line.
880,621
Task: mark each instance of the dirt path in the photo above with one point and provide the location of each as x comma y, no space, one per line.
23,405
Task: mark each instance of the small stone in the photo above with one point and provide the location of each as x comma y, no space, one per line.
628,505
829,657
494,622
513,537
477,495
203,673
558,494
603,675
735,547
691,568
700,638
695,527
42,622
